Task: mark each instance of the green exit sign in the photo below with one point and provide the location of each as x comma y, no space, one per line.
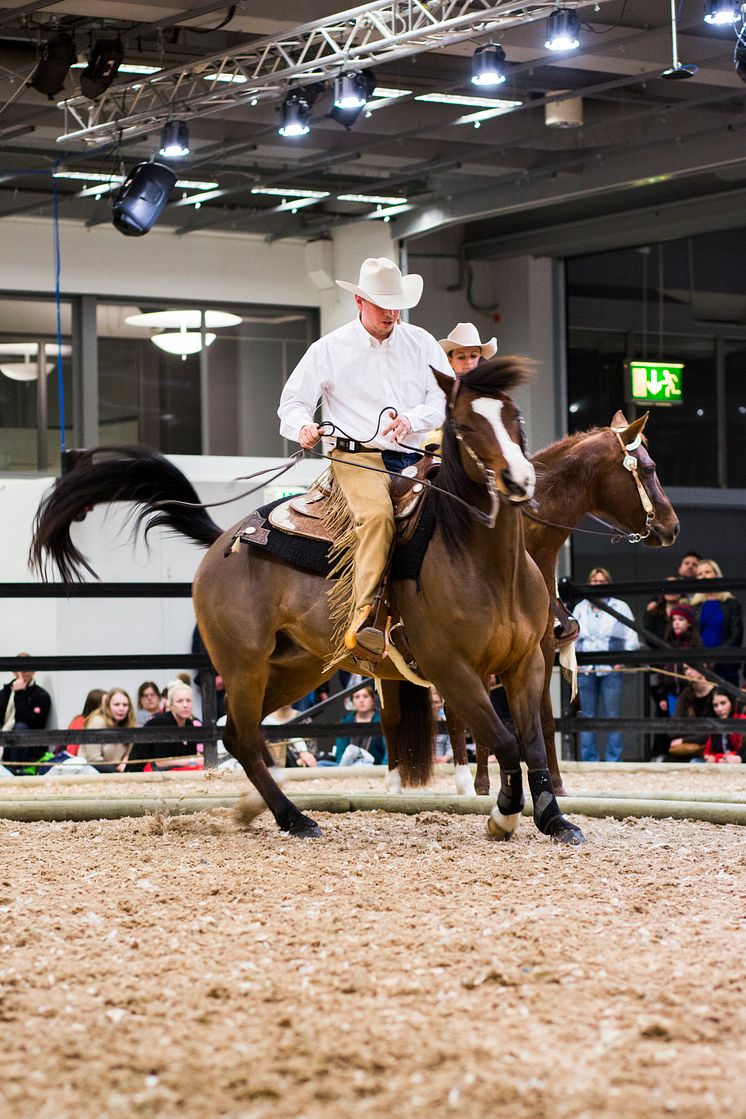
655,382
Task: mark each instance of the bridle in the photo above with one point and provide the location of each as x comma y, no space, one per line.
630,463
489,475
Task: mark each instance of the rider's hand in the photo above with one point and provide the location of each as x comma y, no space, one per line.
309,436
399,427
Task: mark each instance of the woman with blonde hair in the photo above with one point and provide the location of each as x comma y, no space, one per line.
176,753
116,710
719,617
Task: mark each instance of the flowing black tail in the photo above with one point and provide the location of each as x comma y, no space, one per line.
106,475
415,737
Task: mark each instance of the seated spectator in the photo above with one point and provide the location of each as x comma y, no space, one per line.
116,710
694,702
175,754
719,617
443,748
24,705
292,752
682,633
149,702
366,748
730,746
93,700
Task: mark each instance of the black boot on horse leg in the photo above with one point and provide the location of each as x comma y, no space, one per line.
504,818
547,815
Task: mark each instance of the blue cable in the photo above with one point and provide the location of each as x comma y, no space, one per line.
58,301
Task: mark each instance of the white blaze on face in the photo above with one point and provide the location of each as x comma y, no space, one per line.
521,470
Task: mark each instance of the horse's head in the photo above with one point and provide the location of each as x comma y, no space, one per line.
630,446
489,427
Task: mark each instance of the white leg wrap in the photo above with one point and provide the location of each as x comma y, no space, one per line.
252,804
464,781
502,827
393,782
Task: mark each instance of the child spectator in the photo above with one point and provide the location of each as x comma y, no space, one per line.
682,633
730,746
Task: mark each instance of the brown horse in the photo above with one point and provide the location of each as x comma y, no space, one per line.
478,606
579,475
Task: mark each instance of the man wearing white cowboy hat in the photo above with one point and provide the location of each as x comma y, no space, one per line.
373,376
464,348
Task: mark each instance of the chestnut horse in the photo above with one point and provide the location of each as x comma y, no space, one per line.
579,475
479,604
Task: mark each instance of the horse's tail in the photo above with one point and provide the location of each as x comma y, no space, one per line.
106,475
414,739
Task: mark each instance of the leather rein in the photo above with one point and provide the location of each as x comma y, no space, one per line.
616,535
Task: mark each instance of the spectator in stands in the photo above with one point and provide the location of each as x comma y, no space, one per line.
682,633
93,700
149,702
291,752
720,618
116,710
729,746
24,705
443,748
465,349
601,685
175,753
688,569
694,702
362,748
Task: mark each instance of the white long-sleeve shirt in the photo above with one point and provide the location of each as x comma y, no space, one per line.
356,376
599,632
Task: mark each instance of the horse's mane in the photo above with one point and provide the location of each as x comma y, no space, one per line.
499,374
490,378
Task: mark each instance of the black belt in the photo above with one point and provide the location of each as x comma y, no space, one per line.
354,447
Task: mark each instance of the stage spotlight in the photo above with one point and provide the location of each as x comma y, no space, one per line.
295,113
488,66
721,12
141,198
174,140
106,58
563,30
58,55
352,92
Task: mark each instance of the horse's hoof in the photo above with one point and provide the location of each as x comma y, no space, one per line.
569,834
303,828
501,827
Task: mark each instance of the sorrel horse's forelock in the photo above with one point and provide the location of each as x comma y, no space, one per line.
480,607
578,475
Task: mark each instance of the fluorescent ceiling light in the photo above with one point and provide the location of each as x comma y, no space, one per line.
98,177
389,211
238,79
125,68
386,91
98,189
294,204
487,114
379,199
467,101
198,199
290,192
182,342
183,319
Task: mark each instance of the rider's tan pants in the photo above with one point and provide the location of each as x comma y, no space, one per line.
367,494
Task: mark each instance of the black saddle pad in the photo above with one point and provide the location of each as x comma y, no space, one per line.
313,555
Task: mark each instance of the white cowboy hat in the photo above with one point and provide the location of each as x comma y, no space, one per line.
465,336
382,283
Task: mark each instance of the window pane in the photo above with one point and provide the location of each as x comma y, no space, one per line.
595,374
735,414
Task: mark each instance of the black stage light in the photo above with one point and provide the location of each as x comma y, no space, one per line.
352,92
295,114
563,30
106,58
57,56
488,66
141,198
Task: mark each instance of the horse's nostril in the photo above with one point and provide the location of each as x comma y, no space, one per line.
511,485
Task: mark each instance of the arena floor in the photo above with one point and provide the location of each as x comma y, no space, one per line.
400,966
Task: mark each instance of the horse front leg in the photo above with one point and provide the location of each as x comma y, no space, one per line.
464,781
523,686
548,728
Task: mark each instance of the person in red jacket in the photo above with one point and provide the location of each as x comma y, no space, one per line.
730,746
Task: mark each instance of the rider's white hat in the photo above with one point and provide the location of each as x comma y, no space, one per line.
465,336
382,283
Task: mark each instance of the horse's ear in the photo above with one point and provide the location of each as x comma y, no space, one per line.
445,381
634,429
619,420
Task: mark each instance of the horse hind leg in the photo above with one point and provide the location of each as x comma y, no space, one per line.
457,733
